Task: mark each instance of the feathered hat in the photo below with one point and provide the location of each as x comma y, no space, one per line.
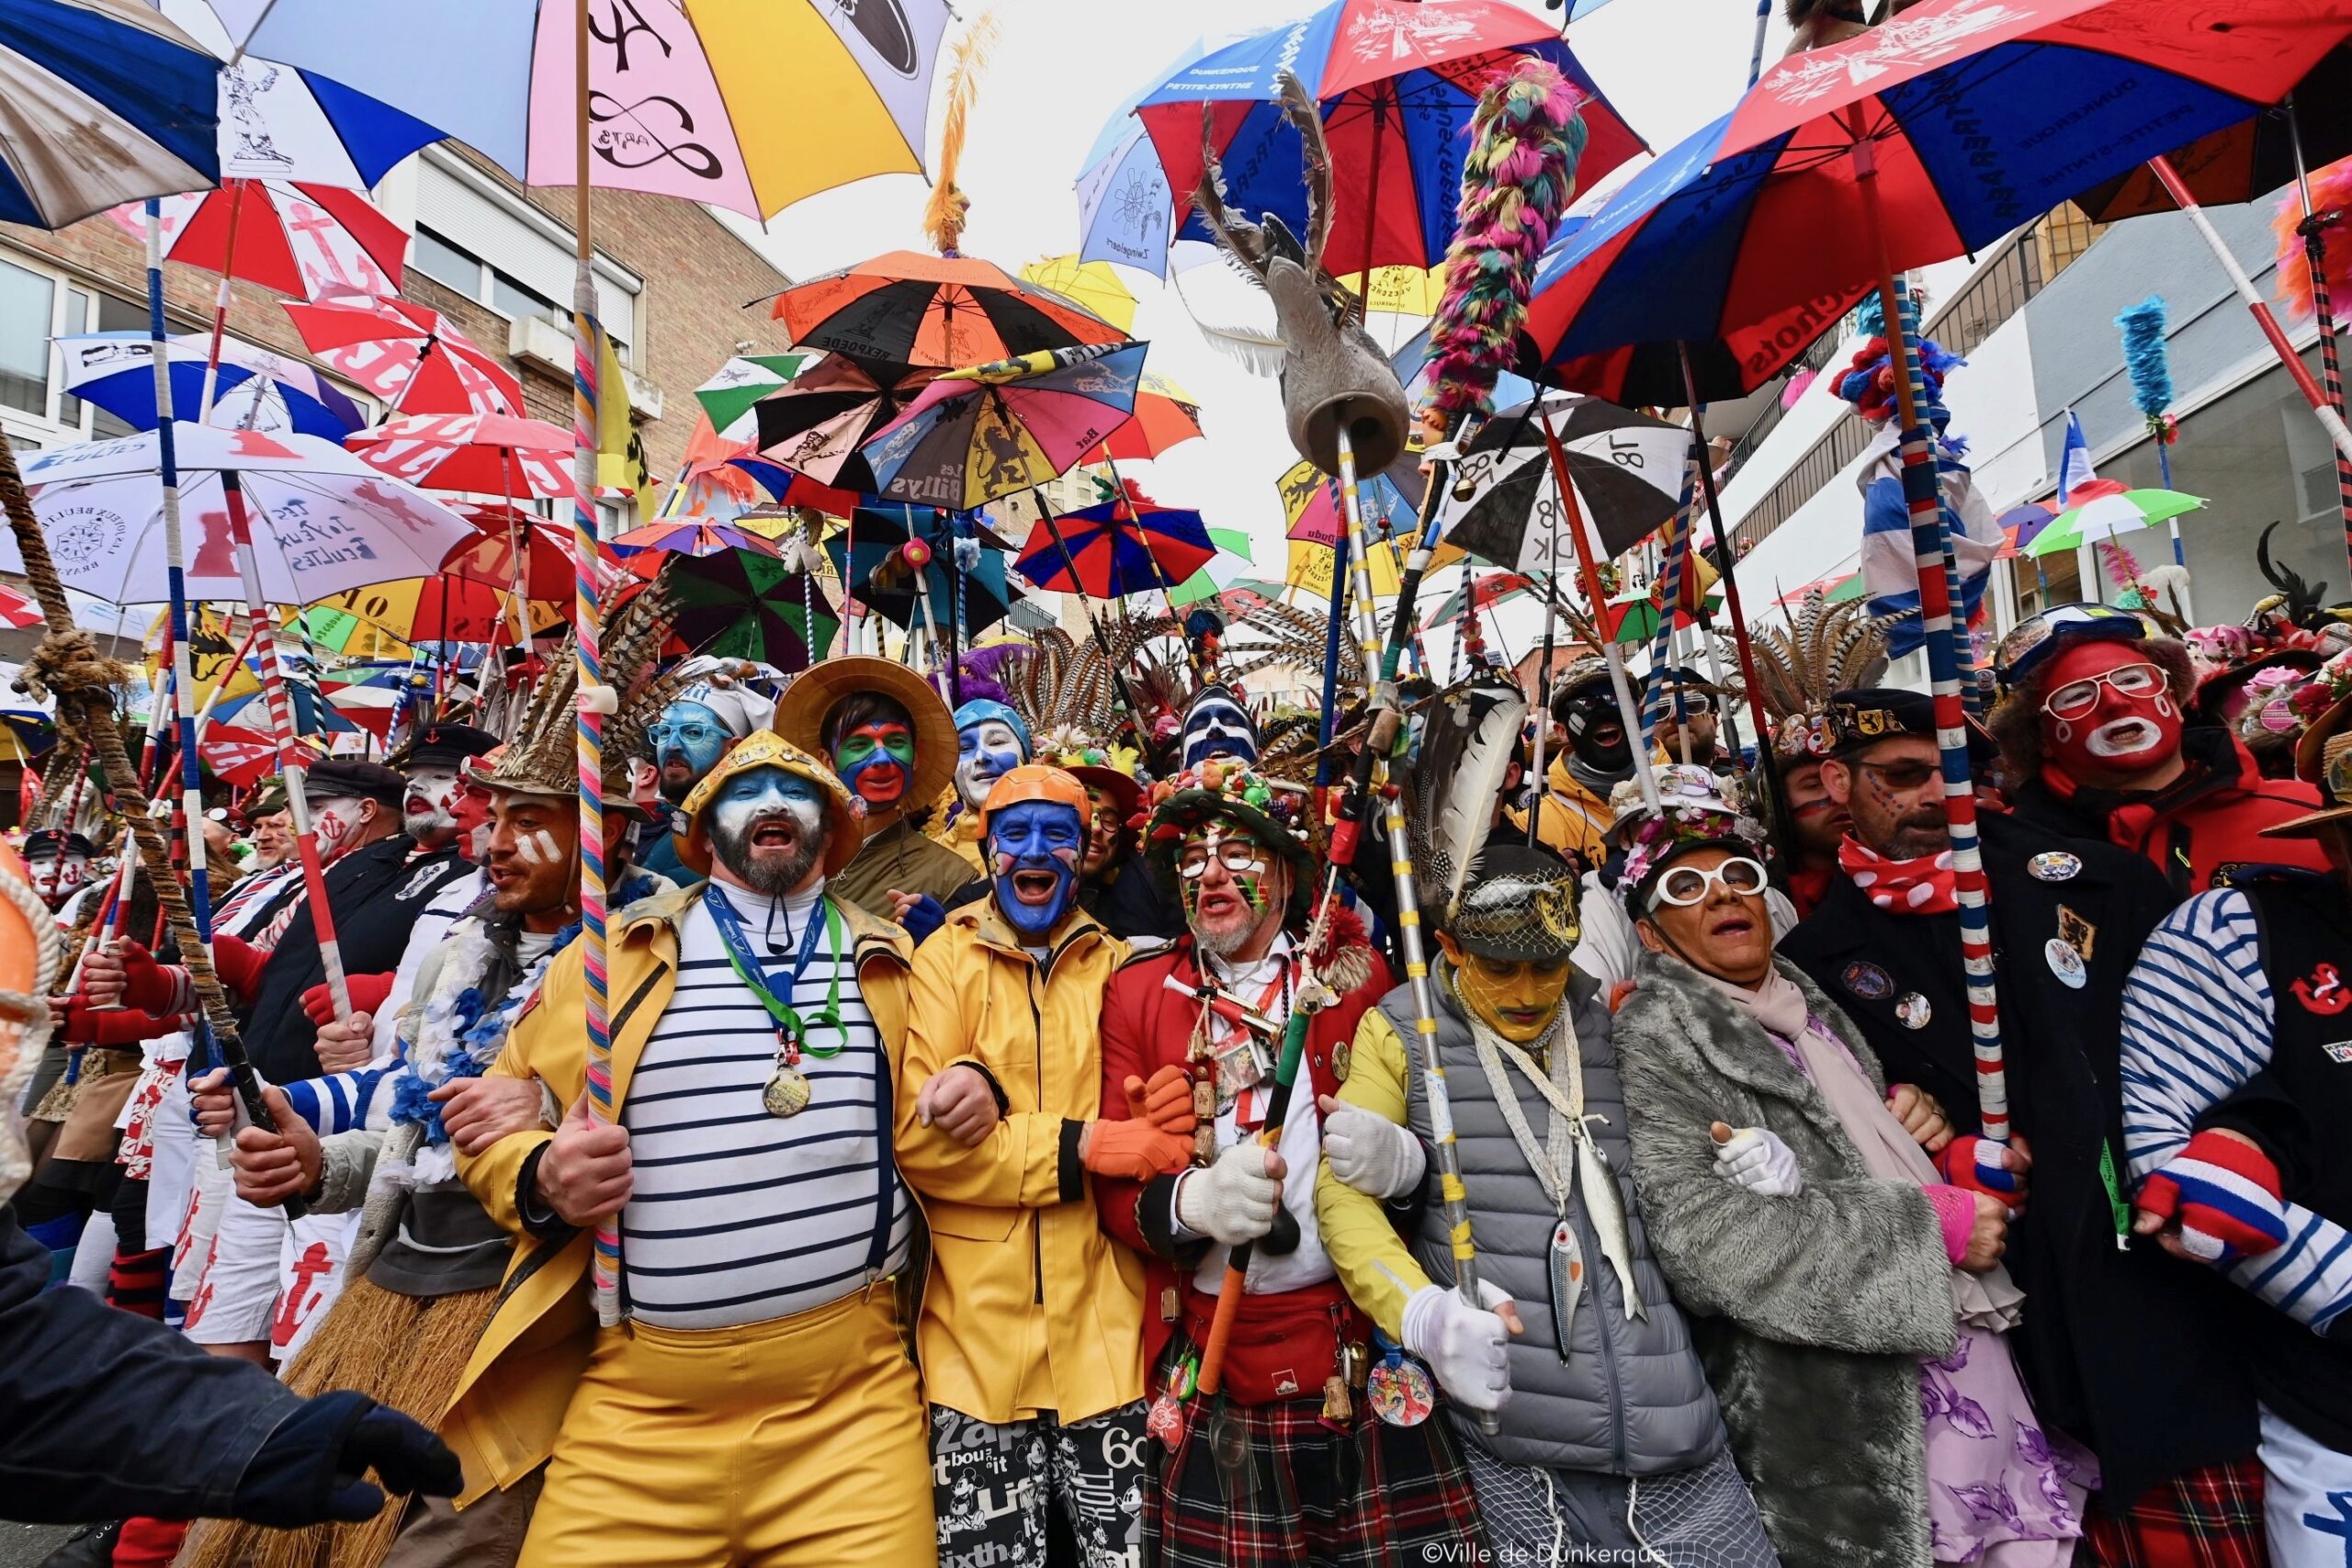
1825,647
1469,736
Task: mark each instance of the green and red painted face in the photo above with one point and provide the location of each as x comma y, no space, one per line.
876,761
1231,885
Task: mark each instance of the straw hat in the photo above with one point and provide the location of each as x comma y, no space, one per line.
2324,757
801,712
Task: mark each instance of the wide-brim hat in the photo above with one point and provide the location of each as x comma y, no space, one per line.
1126,795
815,692
844,813
2324,757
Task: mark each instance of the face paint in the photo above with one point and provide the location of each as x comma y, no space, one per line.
687,741
469,808
1034,849
1596,731
528,859
985,752
767,828
2107,716
876,761
1517,1000
334,821
1103,827
426,812
1225,875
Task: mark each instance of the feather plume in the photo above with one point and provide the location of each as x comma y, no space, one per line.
1299,107
2331,192
1520,176
943,215
2146,358
1468,739
1825,647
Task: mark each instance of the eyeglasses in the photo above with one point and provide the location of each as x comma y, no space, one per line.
1901,777
2077,698
1683,885
1236,855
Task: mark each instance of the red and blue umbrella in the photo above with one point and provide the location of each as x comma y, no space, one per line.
1123,546
1752,238
639,549
1398,82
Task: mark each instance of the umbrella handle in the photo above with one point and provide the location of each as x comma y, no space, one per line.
1086,607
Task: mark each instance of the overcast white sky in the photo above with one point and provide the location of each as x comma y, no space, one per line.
1063,67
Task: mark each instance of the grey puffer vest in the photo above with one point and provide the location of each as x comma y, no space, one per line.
1631,1398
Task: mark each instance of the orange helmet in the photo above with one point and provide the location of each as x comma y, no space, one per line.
1036,781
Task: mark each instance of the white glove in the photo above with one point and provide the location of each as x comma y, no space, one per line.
1463,1344
1756,1159
1233,1201
1369,1151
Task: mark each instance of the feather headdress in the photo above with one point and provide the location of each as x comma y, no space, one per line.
944,214
1824,648
540,757
1527,137
1469,735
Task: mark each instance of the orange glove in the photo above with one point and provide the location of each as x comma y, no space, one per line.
1136,1149
1166,1101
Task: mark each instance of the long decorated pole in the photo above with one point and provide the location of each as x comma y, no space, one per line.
2314,228
1727,561
1929,547
596,699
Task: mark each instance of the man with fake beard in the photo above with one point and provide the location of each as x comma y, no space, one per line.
1573,812
2125,1351
893,745
696,729
1032,1324
1333,1483
992,740
2095,722
1609,1437
756,1406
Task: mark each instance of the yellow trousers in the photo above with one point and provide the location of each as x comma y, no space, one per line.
797,1443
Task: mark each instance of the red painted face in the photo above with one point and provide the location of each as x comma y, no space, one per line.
2108,715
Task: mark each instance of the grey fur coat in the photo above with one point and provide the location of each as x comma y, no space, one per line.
1811,1311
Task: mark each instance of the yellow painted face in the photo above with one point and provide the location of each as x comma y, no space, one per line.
1515,998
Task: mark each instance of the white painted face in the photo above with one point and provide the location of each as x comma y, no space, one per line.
335,820
538,848
985,752
427,811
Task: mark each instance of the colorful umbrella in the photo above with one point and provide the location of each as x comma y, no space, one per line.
1124,205
279,123
442,608
543,569
1390,503
741,604
325,521
120,105
117,372
879,532
237,756
303,240
993,430
906,308
788,487
2103,517
17,611
1400,291
489,454
1627,469
1094,286
412,356
1166,416
743,380
641,549
1396,82
683,96
816,425
1480,591
1116,547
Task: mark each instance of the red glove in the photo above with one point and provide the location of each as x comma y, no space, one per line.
239,964
1980,1165
86,1025
147,985
368,994
2226,1193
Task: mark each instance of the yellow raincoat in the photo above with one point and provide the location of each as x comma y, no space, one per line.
1574,818
1030,1306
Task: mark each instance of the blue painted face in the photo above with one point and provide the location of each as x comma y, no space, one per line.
1035,847
767,826
985,751
687,741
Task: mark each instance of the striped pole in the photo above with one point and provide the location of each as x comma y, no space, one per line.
2331,373
1677,554
1452,1198
1923,495
596,700
1972,695
291,762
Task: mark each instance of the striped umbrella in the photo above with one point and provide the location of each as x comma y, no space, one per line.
906,308
120,105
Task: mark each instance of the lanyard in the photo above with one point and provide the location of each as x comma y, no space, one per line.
779,1005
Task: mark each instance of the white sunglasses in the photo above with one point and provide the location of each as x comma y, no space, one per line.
1683,885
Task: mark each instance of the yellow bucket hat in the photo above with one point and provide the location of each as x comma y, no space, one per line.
844,813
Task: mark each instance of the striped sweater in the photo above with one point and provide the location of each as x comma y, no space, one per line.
2197,1021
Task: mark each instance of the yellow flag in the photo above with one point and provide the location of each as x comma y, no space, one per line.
1310,569
620,456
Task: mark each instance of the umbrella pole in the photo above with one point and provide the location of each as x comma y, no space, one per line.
290,761
2337,432
596,699
1923,494
1167,593
220,307
1328,721
1627,715
1539,778
1756,55
1724,561
1086,607
2313,230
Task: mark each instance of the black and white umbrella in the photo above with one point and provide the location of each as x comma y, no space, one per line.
1627,470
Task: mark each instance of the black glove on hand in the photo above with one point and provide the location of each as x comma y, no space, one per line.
313,1466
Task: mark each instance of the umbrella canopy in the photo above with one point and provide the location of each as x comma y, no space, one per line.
322,520
1390,503
788,487
1120,547
302,240
1166,416
1398,82
975,434
315,714
413,357
906,308
1093,284
1753,237
237,756
17,610
743,380
1124,205
741,604
1479,591
1627,470
641,549
489,454
816,425
2103,517
116,105
877,533
684,97
116,371
506,531
2244,161
280,123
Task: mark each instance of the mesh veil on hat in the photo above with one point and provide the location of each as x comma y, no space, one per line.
1520,906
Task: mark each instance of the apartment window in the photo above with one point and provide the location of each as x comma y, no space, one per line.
27,300
440,259
512,298
445,262
493,247
34,307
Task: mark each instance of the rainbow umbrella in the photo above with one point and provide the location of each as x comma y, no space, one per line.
999,428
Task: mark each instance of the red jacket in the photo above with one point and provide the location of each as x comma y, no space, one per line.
1145,1027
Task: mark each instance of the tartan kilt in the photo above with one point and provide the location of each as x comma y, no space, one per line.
1374,1494
2206,1518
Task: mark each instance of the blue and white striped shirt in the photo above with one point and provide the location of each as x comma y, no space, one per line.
2197,1018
